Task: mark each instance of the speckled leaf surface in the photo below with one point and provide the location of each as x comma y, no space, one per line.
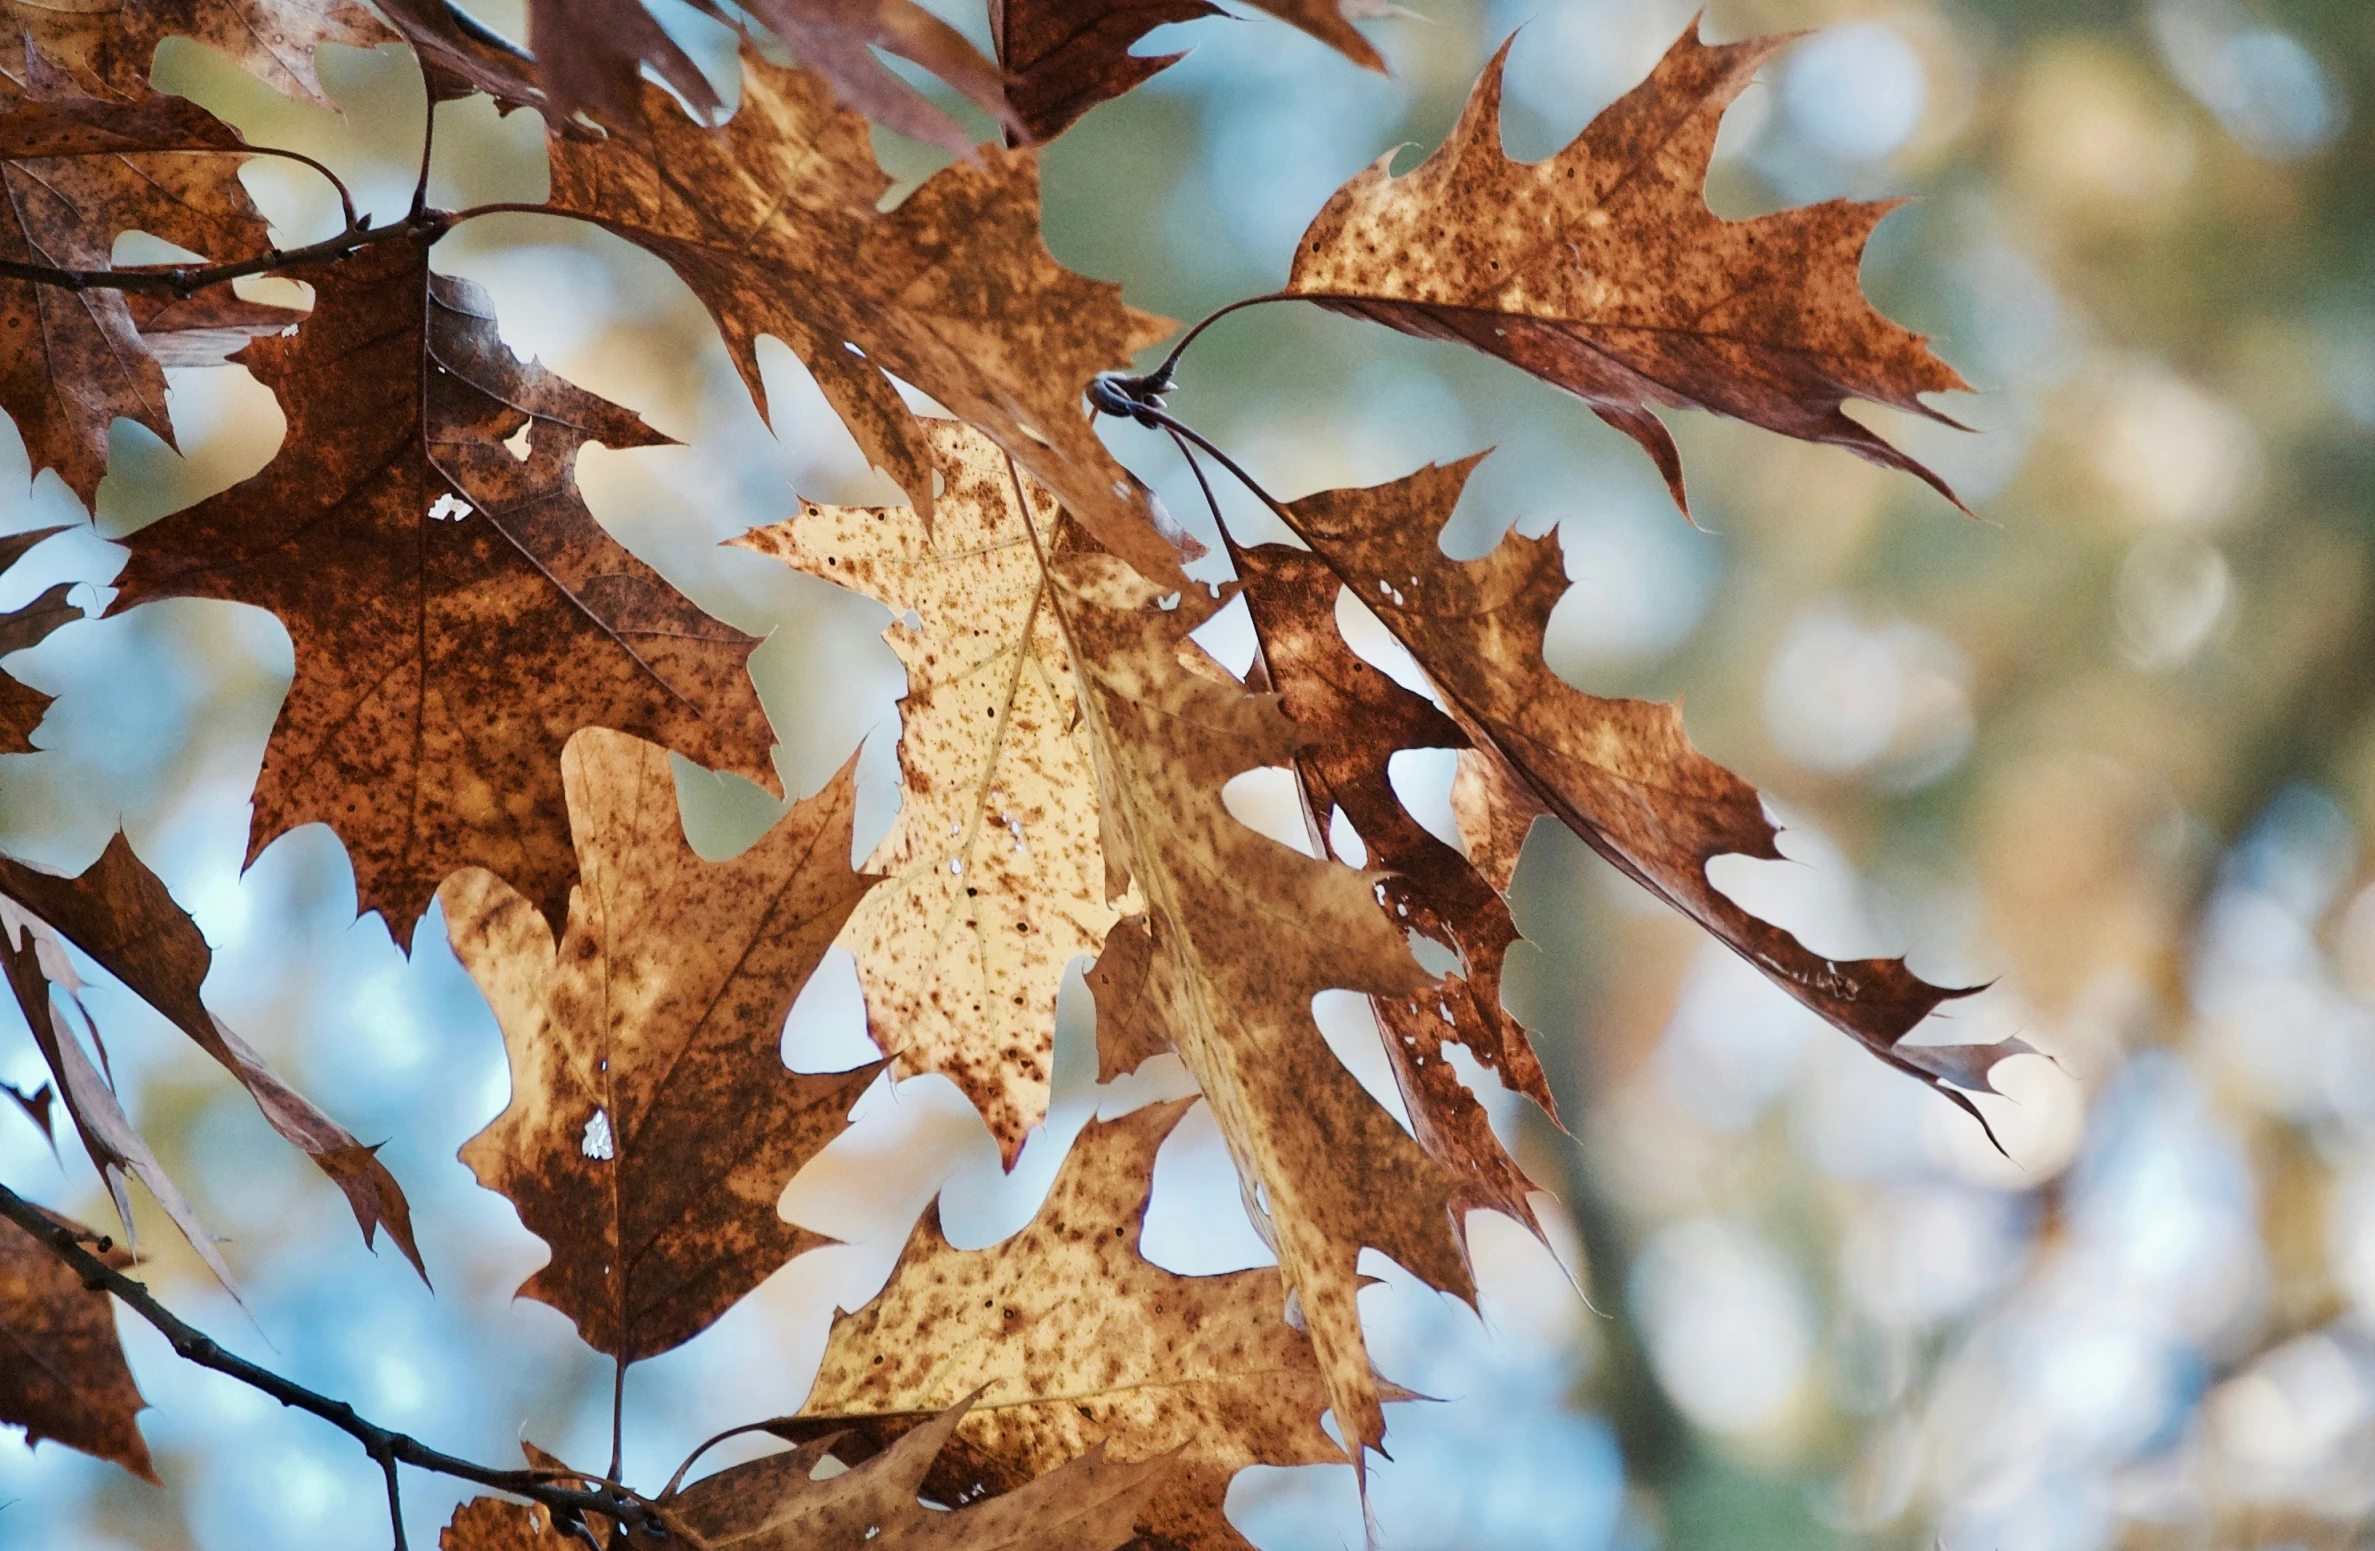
456,611
107,45
995,871
1242,934
653,1125
79,171
1074,1340
1602,270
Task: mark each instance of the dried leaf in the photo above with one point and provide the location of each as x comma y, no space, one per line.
80,171
1074,1340
996,875
1495,812
1602,271
1243,932
653,1125
207,327
590,55
499,1524
1620,773
21,706
775,1504
1357,718
1331,21
456,611
1063,57
34,959
836,38
106,45
772,223
456,62
120,913
62,1370
37,1106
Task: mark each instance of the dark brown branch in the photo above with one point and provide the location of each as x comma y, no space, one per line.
183,279
386,1447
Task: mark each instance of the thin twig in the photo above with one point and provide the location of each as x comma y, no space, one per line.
1211,503
420,185
346,198
1162,373
385,1446
387,1462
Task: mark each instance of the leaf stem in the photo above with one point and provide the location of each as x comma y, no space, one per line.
420,185
1162,373
385,1446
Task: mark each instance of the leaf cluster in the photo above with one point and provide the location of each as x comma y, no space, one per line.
489,689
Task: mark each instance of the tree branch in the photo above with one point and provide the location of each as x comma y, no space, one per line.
387,1447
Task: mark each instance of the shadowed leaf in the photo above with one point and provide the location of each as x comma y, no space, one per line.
62,1371
995,875
79,172
1063,57
652,1124
1602,270
455,609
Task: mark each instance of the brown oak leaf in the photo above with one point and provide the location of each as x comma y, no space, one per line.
653,1125
62,1370
1063,57
1620,773
456,611
772,223
1074,1340
21,705
107,47
775,1504
1357,718
836,38
79,172
1602,271
995,874
120,913
1241,933
207,327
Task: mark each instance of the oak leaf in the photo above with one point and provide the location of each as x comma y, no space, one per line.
456,611
1620,773
1240,934
1073,1340
79,172
21,705
1602,271
775,1504
120,913
62,1369
995,874
836,38
33,957
107,47
653,1125
1063,57
1357,718
773,223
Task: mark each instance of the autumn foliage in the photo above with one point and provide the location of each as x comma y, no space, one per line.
489,688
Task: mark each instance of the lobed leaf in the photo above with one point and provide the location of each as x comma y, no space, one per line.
653,1125
1603,272
994,869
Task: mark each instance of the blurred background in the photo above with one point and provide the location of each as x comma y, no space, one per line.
2110,747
